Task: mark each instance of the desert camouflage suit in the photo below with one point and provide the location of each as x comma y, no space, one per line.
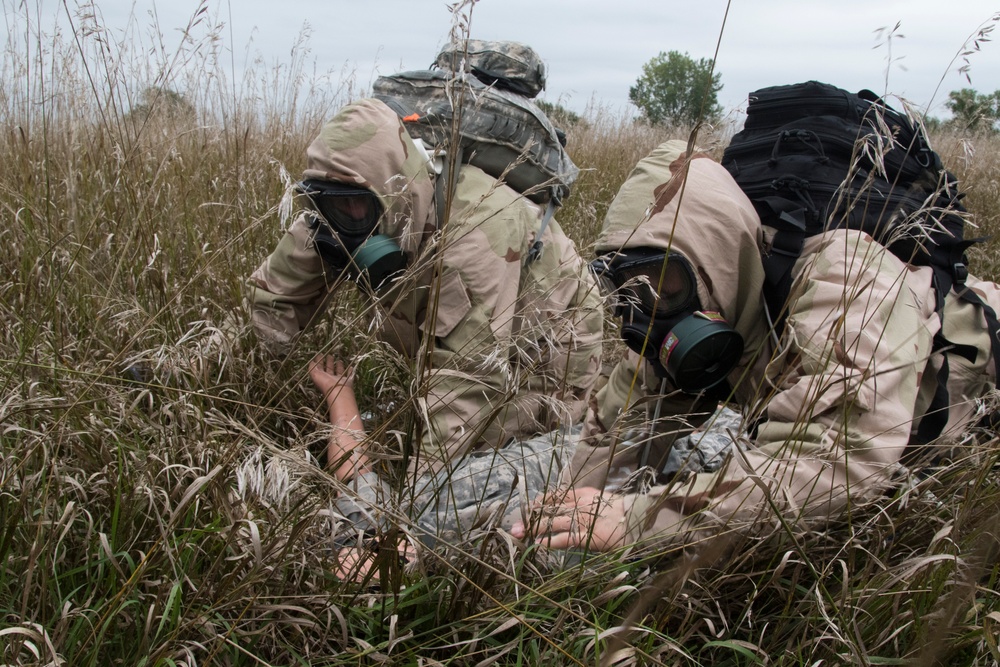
835,399
501,348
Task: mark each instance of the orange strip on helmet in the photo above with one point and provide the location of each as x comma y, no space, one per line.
412,118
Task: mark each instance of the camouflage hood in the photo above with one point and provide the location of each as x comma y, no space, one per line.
365,144
708,219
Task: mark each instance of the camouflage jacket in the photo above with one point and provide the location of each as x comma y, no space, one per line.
834,399
501,348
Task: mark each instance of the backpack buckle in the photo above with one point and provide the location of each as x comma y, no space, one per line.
959,272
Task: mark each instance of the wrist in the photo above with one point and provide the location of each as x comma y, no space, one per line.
635,508
342,406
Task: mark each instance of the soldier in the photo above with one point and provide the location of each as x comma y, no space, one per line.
504,348
835,396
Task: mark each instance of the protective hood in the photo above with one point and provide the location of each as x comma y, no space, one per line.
365,144
694,207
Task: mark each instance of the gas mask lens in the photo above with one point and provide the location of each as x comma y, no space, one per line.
652,281
351,211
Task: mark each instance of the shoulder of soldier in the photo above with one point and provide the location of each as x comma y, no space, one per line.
480,196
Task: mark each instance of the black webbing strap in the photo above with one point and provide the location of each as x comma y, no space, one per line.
785,250
992,324
933,422
936,417
956,280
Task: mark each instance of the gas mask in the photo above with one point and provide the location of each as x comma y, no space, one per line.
656,296
344,217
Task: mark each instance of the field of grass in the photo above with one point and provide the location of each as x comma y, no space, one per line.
175,514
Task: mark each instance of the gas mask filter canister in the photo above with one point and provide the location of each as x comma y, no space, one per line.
700,351
377,261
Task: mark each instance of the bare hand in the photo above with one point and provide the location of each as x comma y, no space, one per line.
582,517
355,564
330,375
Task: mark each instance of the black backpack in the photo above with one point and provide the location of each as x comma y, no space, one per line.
812,157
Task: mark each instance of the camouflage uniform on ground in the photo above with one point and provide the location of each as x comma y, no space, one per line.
494,487
485,489
834,400
501,348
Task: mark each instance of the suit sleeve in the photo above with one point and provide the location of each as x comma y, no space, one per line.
517,346
288,289
562,306
468,390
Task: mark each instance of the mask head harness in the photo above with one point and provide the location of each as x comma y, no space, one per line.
655,294
344,217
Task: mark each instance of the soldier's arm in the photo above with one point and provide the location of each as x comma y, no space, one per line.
571,308
502,347
344,454
288,289
468,382
472,388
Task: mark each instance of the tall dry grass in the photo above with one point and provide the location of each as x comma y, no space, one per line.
974,159
160,501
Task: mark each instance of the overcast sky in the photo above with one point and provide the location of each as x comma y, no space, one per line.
595,49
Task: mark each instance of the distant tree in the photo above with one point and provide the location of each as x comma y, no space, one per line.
161,104
676,89
974,111
933,123
558,114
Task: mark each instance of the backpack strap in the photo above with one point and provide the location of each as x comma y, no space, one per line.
935,419
447,181
535,251
785,250
956,280
992,324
